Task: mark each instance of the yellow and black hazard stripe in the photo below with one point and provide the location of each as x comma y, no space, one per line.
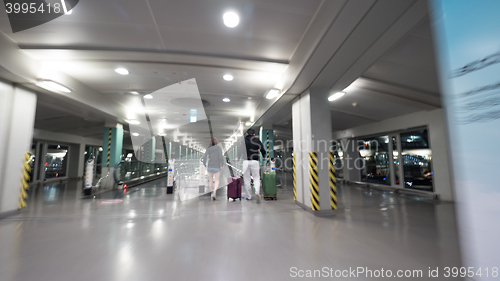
267,141
109,146
313,175
23,195
294,179
332,181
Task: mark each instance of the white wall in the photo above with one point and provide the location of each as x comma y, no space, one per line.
16,126
435,121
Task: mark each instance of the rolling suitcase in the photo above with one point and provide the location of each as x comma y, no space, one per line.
269,185
234,188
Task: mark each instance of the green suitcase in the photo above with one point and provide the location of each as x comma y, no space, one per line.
269,186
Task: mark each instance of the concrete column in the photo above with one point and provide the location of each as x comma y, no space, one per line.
468,40
312,129
17,117
149,150
165,150
112,150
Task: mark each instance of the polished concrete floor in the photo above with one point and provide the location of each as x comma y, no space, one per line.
155,236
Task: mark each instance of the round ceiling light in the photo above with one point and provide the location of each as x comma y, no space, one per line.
135,134
148,96
226,100
231,19
122,71
228,77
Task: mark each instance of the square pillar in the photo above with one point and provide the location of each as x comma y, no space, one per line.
112,151
312,143
17,118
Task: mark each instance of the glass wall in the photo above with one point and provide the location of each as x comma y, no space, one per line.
411,159
56,161
395,159
374,153
338,156
417,157
32,161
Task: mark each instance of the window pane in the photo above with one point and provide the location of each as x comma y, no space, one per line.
416,157
395,159
338,156
374,152
56,161
32,161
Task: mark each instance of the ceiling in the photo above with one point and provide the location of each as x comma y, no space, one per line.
402,81
163,43
380,52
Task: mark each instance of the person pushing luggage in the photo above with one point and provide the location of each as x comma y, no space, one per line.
251,167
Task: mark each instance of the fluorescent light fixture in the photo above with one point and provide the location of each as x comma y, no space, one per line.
228,77
336,96
148,96
273,93
226,100
134,93
135,134
248,123
52,86
192,119
122,71
231,19
133,122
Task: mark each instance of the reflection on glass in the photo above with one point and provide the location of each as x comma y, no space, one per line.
56,161
416,157
338,155
374,152
395,159
32,161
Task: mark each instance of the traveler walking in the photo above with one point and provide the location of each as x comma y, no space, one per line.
215,163
251,145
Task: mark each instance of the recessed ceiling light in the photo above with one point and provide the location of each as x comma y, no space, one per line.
226,100
122,71
228,77
162,134
231,19
336,96
192,119
148,96
135,134
248,123
134,93
52,86
273,93
134,122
